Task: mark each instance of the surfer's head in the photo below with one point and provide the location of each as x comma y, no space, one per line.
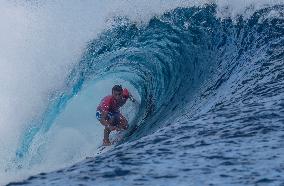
117,92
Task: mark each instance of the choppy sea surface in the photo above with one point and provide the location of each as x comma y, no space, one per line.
210,109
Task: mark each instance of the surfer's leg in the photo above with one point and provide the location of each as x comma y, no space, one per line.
123,124
106,137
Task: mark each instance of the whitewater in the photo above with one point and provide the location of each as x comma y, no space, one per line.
208,77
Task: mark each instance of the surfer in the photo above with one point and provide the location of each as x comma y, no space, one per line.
108,111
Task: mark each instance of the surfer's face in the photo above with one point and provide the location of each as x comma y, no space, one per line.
117,95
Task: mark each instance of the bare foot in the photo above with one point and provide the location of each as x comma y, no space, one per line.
106,142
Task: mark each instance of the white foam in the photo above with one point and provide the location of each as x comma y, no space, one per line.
245,8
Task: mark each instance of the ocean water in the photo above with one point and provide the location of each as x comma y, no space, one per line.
208,77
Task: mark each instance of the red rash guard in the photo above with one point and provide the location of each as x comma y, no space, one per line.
109,104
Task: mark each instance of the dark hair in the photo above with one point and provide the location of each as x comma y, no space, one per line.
117,88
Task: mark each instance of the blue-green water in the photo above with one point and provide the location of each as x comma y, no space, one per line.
212,102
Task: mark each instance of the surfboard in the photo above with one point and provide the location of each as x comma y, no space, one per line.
101,149
115,139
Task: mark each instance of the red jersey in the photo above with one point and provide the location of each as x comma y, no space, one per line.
109,104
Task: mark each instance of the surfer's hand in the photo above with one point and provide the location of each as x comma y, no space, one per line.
131,98
110,127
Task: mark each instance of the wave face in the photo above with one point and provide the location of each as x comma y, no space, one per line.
211,111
